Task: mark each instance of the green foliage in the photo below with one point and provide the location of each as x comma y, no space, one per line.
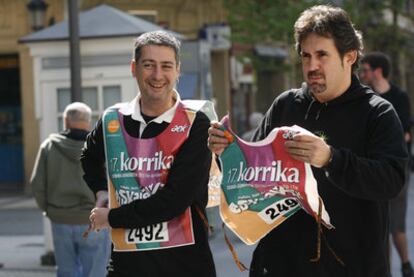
263,21
380,34
368,17
270,22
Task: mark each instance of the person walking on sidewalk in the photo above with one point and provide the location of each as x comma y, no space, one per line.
358,158
254,121
62,194
154,150
375,71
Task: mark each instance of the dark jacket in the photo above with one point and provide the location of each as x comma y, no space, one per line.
367,169
401,103
186,186
399,99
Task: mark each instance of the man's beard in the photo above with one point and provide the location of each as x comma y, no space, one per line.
316,88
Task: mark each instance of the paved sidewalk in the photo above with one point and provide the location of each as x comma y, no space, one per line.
21,257
21,238
14,202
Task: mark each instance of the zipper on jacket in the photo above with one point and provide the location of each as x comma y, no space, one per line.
309,107
319,111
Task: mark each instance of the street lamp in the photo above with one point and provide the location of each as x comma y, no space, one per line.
37,9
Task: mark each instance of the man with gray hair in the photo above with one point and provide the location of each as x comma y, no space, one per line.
154,152
254,121
65,199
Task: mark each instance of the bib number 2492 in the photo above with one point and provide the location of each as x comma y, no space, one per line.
151,233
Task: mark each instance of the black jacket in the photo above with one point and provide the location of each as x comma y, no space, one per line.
367,169
186,186
399,99
401,103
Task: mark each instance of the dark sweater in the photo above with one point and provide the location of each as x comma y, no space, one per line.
367,169
186,186
399,99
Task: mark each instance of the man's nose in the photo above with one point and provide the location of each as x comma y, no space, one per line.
157,72
314,64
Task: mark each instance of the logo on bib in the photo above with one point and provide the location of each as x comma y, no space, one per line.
113,126
179,128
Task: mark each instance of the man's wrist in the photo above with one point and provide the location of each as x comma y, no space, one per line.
101,193
331,152
102,198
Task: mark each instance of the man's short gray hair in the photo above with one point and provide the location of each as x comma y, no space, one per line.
255,119
160,38
78,112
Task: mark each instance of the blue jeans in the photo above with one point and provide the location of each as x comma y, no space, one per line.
77,256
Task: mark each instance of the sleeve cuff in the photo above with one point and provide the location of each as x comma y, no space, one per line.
115,218
330,166
98,185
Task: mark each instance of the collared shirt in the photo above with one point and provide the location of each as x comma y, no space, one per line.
133,109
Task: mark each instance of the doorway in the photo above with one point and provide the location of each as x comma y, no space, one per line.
11,148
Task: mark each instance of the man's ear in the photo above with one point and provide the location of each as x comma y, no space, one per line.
351,57
133,66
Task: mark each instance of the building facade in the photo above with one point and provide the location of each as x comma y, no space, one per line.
26,120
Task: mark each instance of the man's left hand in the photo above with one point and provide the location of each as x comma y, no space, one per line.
99,218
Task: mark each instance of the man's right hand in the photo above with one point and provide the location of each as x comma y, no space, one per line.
217,142
101,199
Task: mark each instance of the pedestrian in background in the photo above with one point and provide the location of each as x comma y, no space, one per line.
358,157
375,71
254,121
65,198
154,150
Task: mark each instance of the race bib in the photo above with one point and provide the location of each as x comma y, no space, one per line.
262,185
152,233
137,169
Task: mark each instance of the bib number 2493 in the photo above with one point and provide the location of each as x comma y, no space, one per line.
151,233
